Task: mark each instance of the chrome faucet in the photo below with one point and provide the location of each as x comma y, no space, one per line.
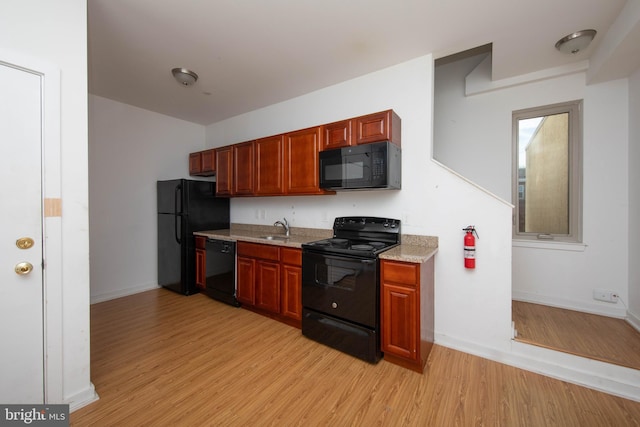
285,224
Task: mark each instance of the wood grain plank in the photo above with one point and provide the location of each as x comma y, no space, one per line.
163,359
589,335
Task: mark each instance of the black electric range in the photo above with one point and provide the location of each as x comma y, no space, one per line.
359,236
341,285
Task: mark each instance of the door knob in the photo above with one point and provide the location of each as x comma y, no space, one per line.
24,242
23,268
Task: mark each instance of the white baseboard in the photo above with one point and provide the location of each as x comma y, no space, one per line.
122,292
593,374
633,320
83,398
604,309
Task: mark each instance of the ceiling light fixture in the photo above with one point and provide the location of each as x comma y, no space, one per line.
184,77
575,42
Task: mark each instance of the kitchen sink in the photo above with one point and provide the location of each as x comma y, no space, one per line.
275,237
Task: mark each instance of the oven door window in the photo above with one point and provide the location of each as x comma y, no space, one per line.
335,275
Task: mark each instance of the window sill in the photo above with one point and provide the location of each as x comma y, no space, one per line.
558,246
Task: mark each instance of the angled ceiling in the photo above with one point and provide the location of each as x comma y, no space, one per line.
253,53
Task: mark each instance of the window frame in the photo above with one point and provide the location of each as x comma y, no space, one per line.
574,109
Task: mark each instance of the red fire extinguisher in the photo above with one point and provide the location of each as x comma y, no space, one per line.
470,246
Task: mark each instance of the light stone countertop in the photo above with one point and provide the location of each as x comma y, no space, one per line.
413,248
409,253
256,233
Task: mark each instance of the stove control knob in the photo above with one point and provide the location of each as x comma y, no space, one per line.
334,305
385,225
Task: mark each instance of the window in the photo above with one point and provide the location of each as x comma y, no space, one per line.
547,171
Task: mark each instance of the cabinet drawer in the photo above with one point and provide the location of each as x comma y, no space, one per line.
291,256
256,250
200,242
400,272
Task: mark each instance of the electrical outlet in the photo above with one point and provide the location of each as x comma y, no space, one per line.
605,295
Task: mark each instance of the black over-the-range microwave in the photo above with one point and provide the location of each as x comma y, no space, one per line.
374,166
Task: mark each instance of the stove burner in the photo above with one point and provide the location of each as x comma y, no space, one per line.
361,247
339,242
364,237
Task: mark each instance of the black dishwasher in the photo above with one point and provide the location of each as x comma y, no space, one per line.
221,271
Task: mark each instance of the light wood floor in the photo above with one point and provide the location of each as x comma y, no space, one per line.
597,337
162,359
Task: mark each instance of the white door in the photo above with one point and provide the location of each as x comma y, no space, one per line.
21,284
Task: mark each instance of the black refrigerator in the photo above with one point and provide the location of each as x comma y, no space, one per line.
185,206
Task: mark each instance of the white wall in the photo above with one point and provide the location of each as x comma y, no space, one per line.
474,137
634,199
472,307
129,150
56,33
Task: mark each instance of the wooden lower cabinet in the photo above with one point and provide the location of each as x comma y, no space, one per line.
246,288
270,280
268,286
407,312
291,290
400,314
201,263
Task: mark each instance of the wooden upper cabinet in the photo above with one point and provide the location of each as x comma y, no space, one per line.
195,160
243,169
202,163
224,171
288,163
382,126
269,166
336,135
302,150
208,162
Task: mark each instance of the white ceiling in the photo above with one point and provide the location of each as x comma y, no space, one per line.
254,53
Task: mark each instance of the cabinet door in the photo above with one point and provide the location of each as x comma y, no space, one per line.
246,280
399,316
201,265
224,168
267,295
302,151
195,160
208,162
292,291
336,135
270,165
243,169
382,126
